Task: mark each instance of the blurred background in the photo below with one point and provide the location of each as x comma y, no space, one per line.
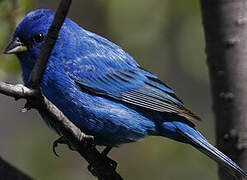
165,37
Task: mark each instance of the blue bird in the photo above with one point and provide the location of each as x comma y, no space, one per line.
104,91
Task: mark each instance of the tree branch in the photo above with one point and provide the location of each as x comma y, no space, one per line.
101,167
50,40
17,91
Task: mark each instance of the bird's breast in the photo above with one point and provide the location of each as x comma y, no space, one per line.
109,121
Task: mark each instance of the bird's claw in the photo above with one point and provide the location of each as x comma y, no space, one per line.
106,151
61,140
55,144
112,163
91,169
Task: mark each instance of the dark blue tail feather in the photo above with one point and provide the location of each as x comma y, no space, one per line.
184,133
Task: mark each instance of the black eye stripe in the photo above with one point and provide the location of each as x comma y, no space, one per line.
39,37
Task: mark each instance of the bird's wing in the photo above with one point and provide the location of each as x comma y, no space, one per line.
135,86
103,68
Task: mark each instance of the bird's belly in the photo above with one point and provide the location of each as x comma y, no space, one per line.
110,122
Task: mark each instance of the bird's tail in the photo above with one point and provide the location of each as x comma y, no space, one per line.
196,139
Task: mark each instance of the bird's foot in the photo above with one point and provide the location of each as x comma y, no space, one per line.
112,163
106,151
61,140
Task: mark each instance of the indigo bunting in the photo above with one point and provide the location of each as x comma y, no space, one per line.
104,91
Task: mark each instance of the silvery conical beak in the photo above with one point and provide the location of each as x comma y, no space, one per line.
15,47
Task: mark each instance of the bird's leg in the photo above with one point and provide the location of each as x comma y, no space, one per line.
61,140
104,153
112,163
106,150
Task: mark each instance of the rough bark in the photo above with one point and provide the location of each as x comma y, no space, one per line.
225,31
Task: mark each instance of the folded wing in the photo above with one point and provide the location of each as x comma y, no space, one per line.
134,86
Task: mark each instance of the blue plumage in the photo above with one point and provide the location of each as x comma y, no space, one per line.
102,89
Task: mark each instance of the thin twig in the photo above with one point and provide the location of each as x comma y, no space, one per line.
42,61
17,91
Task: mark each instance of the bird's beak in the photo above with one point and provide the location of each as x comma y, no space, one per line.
15,47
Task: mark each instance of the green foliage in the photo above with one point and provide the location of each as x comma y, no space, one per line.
12,11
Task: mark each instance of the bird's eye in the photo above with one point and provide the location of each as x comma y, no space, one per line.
39,38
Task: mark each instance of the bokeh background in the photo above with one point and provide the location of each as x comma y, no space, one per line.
165,37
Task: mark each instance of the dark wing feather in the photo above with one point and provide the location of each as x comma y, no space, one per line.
134,86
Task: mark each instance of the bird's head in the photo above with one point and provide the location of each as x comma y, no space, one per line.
28,38
30,33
